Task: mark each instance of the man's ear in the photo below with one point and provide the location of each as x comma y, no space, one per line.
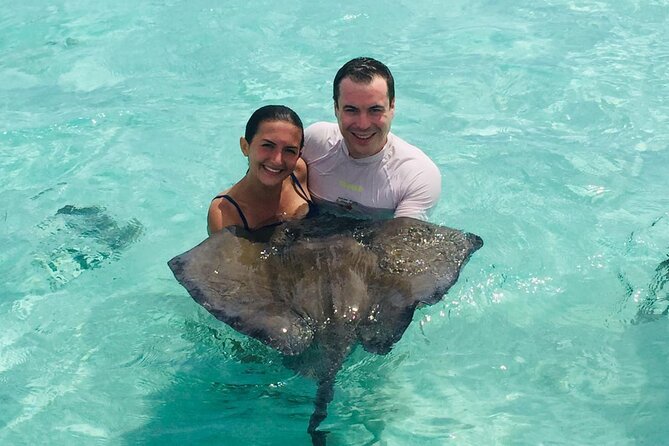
244,145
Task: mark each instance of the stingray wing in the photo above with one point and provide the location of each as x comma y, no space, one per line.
418,263
282,285
426,258
332,280
230,274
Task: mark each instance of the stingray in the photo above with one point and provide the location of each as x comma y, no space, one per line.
81,238
313,289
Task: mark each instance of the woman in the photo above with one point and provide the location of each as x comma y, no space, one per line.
274,188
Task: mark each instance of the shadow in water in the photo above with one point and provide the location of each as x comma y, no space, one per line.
231,390
234,390
646,417
656,303
77,239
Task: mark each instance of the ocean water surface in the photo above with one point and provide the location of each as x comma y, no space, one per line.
549,121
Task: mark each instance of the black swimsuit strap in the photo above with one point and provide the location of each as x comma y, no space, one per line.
241,213
239,209
299,186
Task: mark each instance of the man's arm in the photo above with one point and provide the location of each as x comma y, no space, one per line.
421,193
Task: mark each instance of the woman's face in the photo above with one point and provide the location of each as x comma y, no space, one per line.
273,151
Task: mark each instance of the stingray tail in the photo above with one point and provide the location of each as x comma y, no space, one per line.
324,395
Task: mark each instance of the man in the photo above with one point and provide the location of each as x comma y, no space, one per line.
357,165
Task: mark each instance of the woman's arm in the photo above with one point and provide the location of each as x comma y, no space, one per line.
215,220
222,214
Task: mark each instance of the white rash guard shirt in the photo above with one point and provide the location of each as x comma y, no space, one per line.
398,181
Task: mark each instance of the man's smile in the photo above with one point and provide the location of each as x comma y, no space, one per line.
363,136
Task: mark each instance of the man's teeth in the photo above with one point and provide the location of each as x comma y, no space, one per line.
359,136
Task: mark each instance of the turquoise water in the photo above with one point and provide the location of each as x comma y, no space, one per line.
549,121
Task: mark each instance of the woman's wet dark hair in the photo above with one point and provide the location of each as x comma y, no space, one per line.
272,113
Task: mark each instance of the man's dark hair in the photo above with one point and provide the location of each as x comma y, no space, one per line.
272,113
363,70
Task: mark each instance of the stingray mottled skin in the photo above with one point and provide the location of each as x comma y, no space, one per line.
314,288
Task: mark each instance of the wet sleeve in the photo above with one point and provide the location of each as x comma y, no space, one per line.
421,192
316,140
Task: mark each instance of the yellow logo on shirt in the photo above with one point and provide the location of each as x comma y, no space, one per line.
349,186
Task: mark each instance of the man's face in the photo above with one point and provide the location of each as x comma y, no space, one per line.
364,114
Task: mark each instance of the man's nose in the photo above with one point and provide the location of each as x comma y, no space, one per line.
363,120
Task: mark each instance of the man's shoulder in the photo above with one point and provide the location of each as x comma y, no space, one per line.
321,130
319,139
406,152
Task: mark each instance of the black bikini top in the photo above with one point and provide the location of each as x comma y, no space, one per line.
312,207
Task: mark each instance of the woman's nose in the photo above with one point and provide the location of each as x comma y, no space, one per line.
277,156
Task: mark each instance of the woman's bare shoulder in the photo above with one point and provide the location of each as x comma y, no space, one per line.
221,214
301,171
